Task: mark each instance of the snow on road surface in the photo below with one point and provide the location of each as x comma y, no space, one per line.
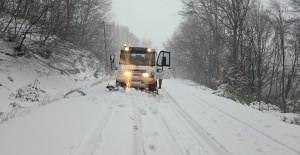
182,120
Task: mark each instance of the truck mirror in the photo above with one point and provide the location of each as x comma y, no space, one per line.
112,58
164,61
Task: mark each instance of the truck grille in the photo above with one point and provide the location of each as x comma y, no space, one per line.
137,74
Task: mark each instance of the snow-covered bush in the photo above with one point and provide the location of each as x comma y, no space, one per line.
221,91
262,106
274,110
237,81
294,106
73,91
290,118
46,99
13,111
30,92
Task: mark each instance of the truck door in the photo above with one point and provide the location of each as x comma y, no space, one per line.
163,65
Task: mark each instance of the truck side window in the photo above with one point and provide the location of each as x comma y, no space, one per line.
159,60
166,56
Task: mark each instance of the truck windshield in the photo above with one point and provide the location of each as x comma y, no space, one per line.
143,58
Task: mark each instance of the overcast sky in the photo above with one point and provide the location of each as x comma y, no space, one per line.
152,19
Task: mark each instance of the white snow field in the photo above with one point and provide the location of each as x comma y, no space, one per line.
182,120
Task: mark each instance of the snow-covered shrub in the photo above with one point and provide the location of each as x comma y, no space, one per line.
221,91
238,84
12,112
290,118
274,110
30,92
46,99
262,106
73,91
46,53
293,106
15,108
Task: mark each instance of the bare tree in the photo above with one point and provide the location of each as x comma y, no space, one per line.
14,12
19,47
123,35
231,14
146,43
281,25
258,34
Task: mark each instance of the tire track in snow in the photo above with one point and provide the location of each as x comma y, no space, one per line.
138,147
237,120
198,134
168,128
158,138
206,136
88,144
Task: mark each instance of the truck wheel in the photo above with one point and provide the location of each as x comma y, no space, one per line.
153,87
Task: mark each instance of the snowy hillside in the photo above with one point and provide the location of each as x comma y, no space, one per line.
31,81
183,119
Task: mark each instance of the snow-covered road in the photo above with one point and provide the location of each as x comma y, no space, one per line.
182,120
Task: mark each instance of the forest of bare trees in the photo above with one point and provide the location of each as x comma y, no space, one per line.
44,27
78,21
39,26
249,49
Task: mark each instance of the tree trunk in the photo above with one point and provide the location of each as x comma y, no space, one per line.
19,47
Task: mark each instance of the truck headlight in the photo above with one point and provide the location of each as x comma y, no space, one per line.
126,48
127,73
145,74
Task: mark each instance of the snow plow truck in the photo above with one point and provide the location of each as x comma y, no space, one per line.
140,68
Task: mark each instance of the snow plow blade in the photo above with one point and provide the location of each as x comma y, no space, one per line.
154,92
112,88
